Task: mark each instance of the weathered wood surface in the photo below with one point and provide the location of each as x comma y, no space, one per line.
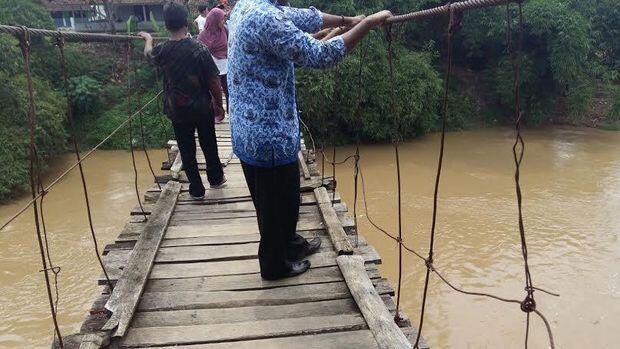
379,320
303,165
334,226
177,165
199,285
173,335
359,339
128,290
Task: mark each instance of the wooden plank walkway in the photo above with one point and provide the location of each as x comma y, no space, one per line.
188,277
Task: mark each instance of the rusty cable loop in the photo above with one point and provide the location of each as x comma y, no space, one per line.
54,269
72,167
395,141
24,44
130,131
422,258
60,43
528,305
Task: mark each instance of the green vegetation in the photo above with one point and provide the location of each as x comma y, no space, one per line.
570,56
97,89
570,50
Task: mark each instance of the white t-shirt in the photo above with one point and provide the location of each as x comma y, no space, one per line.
222,65
200,20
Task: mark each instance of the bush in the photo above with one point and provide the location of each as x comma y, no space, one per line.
337,110
14,135
84,92
157,127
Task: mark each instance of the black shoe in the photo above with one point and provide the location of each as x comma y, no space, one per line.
309,248
296,268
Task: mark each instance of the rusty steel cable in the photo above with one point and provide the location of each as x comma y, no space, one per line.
19,31
334,174
146,152
528,305
60,43
446,9
54,269
358,108
130,131
395,140
72,167
453,26
24,44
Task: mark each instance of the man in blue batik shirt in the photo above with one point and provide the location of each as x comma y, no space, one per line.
266,41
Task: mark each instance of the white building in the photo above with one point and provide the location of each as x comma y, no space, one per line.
89,15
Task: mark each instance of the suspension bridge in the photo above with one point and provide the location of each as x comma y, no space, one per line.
184,273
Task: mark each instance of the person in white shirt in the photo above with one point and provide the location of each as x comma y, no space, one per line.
200,21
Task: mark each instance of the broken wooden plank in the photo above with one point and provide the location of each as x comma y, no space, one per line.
304,166
126,294
333,224
177,165
380,321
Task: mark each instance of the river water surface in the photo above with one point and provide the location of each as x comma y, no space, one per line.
571,188
24,310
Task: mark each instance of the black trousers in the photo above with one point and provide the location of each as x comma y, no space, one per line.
184,131
275,193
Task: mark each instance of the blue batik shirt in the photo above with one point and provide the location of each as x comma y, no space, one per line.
266,42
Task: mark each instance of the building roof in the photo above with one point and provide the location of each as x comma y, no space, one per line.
58,5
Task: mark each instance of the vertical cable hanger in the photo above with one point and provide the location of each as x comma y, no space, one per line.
146,152
51,267
453,26
395,142
60,43
356,168
129,113
24,44
528,305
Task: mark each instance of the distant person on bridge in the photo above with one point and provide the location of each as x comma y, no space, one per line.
191,82
215,36
200,21
266,41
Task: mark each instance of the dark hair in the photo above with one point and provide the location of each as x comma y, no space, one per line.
175,16
202,8
221,7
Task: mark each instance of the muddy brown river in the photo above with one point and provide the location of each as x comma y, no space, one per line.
571,188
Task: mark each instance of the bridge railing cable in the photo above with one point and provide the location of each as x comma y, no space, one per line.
19,31
446,9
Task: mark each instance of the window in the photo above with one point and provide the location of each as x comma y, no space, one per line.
138,12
